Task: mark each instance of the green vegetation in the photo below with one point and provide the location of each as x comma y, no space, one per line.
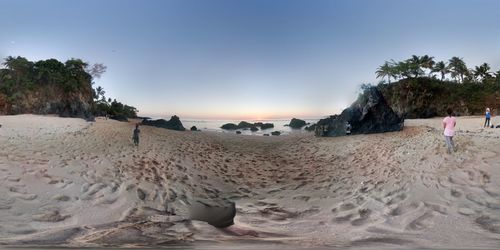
426,88
50,86
418,66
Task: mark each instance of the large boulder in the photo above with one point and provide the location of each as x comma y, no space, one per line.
369,114
174,123
297,123
229,126
264,125
244,124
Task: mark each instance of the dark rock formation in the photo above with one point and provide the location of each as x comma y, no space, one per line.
238,132
246,125
297,123
265,134
276,133
194,128
229,126
311,127
369,114
121,118
174,123
264,125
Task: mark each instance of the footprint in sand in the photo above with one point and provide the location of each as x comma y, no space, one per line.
141,194
489,223
421,222
364,215
61,197
50,216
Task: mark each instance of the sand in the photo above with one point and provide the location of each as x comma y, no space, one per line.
64,181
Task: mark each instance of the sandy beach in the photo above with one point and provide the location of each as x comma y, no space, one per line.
64,181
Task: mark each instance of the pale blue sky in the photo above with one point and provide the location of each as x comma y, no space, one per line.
246,59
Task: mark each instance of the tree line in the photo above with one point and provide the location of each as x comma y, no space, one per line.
426,66
20,75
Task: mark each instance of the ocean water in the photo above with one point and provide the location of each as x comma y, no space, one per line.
214,125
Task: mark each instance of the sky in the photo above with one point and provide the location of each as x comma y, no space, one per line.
237,59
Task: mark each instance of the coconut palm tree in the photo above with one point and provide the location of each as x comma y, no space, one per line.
441,67
386,70
482,72
427,62
99,91
415,66
457,68
403,69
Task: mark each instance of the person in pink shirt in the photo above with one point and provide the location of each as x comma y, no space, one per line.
449,123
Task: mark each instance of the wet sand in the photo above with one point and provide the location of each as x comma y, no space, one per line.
67,182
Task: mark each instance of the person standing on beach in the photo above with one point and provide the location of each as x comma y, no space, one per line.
488,117
135,137
449,124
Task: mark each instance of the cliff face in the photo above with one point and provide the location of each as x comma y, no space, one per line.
48,100
46,87
426,97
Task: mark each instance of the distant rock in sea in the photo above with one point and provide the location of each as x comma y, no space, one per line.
246,126
369,114
265,134
174,123
238,132
297,123
121,118
229,126
264,125
194,128
276,133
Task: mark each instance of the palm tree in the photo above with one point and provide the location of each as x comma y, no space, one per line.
403,69
457,68
427,62
414,65
386,70
440,67
482,71
100,92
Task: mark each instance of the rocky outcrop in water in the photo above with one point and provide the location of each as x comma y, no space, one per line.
174,123
297,123
369,114
246,125
264,125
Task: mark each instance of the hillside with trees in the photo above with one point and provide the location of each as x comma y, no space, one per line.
421,87
53,87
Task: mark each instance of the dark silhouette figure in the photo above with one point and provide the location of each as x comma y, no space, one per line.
135,137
